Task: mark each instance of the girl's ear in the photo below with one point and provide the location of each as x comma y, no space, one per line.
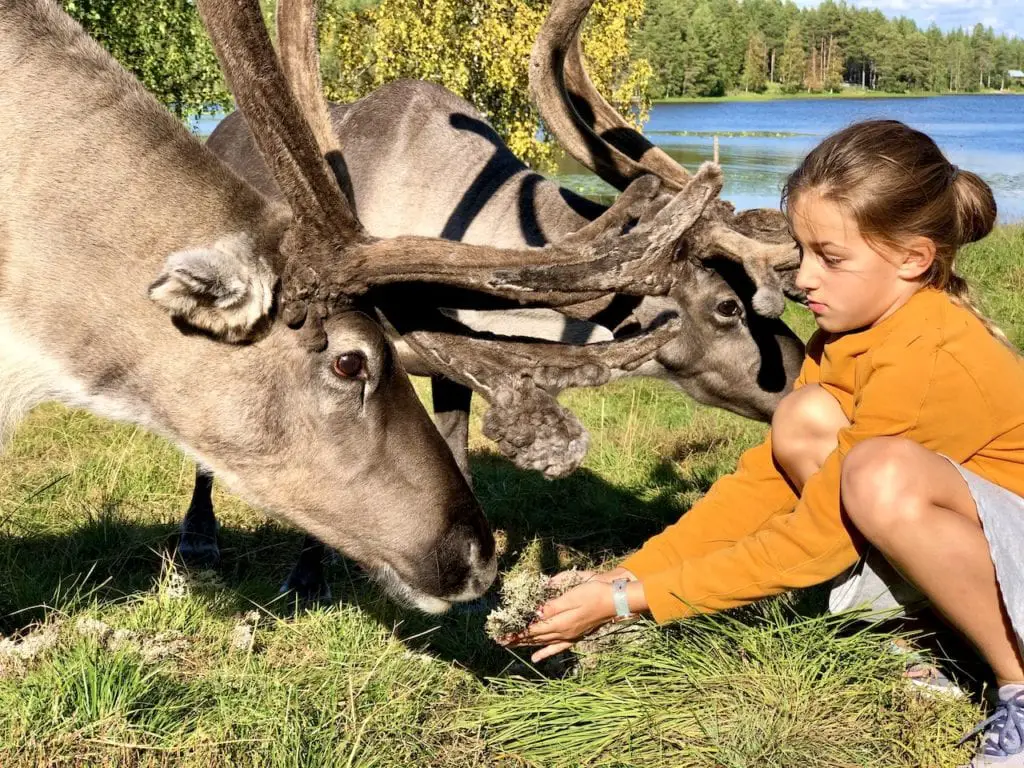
918,255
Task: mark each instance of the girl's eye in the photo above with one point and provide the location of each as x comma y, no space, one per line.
350,365
831,261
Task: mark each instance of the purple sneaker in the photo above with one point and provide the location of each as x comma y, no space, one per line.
1003,741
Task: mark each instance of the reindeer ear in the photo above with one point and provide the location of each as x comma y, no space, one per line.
225,289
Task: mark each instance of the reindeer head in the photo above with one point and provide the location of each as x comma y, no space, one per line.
731,270
347,451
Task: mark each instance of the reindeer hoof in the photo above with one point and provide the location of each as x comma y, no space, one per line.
308,585
198,548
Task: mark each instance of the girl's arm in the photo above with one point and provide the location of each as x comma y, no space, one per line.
912,392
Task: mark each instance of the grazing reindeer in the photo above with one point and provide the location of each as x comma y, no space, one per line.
420,160
271,368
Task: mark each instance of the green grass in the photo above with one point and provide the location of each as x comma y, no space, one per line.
88,510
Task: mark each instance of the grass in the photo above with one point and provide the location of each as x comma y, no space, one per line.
88,512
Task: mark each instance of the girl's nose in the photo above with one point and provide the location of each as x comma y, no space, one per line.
806,277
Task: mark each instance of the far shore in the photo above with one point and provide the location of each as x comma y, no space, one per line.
776,94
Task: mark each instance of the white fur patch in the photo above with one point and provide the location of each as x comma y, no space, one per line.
533,323
225,288
27,379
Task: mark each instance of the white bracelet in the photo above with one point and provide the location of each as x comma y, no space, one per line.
620,599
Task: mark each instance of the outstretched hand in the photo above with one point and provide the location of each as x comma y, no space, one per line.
565,619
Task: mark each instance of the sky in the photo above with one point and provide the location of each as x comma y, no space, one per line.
1004,16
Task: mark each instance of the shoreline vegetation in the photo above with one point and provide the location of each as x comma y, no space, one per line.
777,94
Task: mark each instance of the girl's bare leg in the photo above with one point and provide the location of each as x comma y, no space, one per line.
914,506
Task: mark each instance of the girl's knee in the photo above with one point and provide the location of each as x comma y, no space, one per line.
804,420
881,486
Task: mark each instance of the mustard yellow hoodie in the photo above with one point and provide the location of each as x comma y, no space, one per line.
930,372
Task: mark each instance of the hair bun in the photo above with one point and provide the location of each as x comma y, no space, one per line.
975,206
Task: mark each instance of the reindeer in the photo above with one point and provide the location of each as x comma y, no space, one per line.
420,160
140,278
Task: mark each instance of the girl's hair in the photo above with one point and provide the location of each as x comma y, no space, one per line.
897,184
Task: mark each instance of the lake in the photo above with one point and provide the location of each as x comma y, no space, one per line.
761,142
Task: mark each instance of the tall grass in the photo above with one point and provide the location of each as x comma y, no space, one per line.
88,514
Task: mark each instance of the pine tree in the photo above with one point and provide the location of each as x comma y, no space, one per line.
793,60
835,65
755,66
704,65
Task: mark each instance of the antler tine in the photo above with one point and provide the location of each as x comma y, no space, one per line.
762,261
283,136
300,58
561,88
552,276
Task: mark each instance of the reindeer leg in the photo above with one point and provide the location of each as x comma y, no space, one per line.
197,544
451,415
306,581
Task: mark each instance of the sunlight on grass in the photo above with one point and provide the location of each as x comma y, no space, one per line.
113,657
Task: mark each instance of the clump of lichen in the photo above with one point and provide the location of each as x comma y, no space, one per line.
522,593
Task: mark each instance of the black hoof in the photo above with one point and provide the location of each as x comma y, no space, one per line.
199,549
308,585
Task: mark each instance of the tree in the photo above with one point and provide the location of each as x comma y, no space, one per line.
662,42
793,61
480,50
704,42
163,43
755,64
834,68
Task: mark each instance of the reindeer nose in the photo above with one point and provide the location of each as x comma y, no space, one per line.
483,569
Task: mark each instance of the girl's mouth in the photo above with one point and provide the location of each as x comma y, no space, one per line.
815,307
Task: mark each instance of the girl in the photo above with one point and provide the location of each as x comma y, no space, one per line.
899,455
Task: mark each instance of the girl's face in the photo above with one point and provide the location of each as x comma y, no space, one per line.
850,284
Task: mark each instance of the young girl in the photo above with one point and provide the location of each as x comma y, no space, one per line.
904,434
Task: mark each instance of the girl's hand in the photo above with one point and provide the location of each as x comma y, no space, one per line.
569,617
566,619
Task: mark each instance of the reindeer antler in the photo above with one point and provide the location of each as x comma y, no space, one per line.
593,132
520,380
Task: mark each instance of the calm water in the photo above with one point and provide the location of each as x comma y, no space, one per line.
761,142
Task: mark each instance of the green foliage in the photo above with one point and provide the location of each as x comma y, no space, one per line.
839,43
755,69
480,50
163,43
793,61
704,67
833,69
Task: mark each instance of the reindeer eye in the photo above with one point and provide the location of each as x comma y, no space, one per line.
350,365
728,308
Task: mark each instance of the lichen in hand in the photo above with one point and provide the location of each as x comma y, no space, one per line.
522,593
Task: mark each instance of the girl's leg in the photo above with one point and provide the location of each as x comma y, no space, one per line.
914,506
804,430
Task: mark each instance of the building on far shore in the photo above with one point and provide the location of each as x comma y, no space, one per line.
1015,76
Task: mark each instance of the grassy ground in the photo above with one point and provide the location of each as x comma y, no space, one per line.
775,93
116,659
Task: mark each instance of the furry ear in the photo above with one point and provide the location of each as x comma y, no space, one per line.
224,289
